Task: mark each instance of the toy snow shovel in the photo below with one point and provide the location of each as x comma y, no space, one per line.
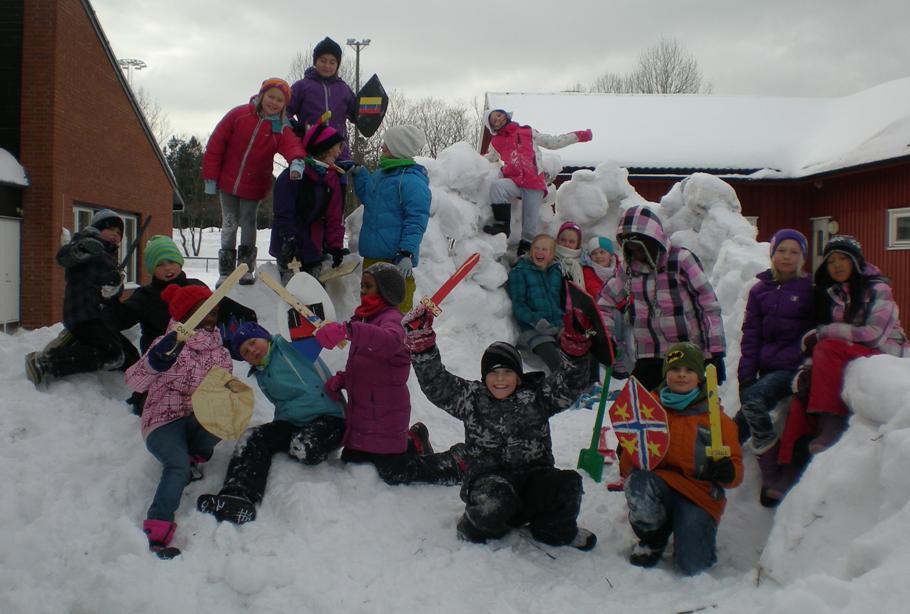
589,459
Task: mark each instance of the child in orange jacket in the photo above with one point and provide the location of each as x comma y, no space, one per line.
684,495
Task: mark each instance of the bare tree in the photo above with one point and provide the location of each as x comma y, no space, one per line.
157,119
611,83
304,59
665,68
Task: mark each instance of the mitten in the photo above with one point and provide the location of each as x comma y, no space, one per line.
419,337
404,264
807,343
297,167
334,386
338,255
584,135
718,361
111,290
211,186
345,165
329,335
163,354
720,471
544,327
574,339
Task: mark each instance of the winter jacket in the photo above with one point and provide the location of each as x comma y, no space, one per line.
314,95
509,436
777,316
672,303
593,283
311,211
396,208
877,324
295,385
378,412
170,392
519,149
536,294
85,274
690,434
240,151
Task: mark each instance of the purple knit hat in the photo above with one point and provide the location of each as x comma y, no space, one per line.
571,226
245,332
795,235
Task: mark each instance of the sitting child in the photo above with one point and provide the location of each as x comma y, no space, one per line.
568,253
599,266
307,424
684,495
510,477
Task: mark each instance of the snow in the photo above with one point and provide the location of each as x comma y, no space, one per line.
785,137
78,479
11,172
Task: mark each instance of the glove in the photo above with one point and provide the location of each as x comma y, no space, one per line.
418,328
802,380
720,471
288,251
329,335
345,165
338,255
88,247
718,361
297,167
404,264
584,135
111,290
574,339
807,343
211,186
544,327
163,354
334,386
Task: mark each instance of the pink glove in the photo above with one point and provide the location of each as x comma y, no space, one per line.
334,386
418,328
584,135
574,340
331,334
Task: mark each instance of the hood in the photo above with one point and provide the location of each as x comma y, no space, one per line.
644,221
486,119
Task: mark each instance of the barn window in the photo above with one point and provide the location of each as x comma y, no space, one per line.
899,228
82,216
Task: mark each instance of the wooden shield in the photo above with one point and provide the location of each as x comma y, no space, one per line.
223,404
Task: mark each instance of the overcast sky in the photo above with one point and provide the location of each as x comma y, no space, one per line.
206,56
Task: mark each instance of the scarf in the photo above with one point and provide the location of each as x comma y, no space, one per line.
277,123
386,163
677,401
370,305
319,166
569,264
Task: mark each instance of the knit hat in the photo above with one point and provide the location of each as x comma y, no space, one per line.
320,138
601,243
105,218
182,300
279,84
850,247
794,235
389,281
500,355
685,355
158,249
404,141
570,226
245,332
327,46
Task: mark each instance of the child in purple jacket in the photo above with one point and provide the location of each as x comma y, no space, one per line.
778,314
378,408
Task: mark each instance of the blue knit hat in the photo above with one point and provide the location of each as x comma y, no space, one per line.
245,332
793,235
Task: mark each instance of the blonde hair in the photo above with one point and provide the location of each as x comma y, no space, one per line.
543,236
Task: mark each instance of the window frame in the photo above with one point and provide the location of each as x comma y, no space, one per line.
82,215
894,216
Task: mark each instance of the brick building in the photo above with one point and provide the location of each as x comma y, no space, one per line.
69,116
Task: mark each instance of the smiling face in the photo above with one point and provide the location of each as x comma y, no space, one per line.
330,155
569,238
786,259
254,350
840,266
602,257
167,270
272,101
210,320
326,65
498,119
543,252
501,382
681,379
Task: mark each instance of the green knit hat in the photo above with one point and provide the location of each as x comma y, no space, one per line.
158,249
685,355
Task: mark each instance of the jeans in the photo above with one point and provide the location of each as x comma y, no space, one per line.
656,511
757,402
504,190
173,444
237,212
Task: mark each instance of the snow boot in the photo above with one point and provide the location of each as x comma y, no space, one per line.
233,508
420,437
196,463
226,263
247,254
458,454
830,428
160,533
502,216
644,555
771,474
523,248
584,540
38,368
775,493
467,532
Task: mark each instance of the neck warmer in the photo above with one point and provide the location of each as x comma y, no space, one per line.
386,163
677,401
370,305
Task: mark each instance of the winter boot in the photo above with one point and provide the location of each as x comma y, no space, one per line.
523,248
788,476
420,437
38,368
502,216
226,260
247,254
196,463
160,533
830,428
644,555
584,540
233,508
458,454
770,475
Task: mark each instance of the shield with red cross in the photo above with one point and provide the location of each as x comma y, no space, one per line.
641,425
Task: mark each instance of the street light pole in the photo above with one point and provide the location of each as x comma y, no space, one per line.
131,64
357,45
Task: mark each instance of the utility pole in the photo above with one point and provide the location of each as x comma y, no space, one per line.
129,65
357,45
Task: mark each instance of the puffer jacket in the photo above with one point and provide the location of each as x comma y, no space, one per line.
671,303
314,95
85,274
536,294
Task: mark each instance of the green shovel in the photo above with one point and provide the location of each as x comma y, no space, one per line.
589,459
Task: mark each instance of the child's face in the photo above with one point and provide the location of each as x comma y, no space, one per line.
636,247
569,238
787,257
602,257
167,270
112,234
501,382
330,155
210,320
272,101
543,253
326,65
368,285
681,379
498,119
840,267
254,350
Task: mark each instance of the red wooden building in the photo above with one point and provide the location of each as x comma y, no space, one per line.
820,165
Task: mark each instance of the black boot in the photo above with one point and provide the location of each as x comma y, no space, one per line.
247,254
38,368
226,263
502,214
232,508
650,547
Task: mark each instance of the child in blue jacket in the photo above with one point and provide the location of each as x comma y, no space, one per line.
308,425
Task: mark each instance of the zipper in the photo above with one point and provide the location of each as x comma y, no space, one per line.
246,153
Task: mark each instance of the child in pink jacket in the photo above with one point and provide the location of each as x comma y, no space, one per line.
170,372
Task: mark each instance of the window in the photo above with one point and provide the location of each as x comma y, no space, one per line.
899,228
82,216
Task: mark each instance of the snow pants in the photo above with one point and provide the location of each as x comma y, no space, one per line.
311,444
409,467
504,190
547,499
656,511
173,444
96,347
829,361
237,212
757,402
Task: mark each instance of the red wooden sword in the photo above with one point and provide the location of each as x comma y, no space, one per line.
432,302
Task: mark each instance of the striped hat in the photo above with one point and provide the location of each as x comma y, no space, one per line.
279,84
320,138
158,249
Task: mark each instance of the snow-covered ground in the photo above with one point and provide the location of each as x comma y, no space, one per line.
77,479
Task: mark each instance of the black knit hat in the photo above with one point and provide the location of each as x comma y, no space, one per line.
848,246
327,46
389,281
500,355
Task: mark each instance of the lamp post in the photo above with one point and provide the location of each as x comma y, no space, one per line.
357,45
129,65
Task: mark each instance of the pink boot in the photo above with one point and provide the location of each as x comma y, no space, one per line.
771,473
160,534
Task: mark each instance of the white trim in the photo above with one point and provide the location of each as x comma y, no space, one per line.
894,216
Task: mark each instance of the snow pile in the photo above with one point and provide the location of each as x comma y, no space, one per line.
11,172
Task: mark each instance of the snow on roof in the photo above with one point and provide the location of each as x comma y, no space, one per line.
11,172
793,137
